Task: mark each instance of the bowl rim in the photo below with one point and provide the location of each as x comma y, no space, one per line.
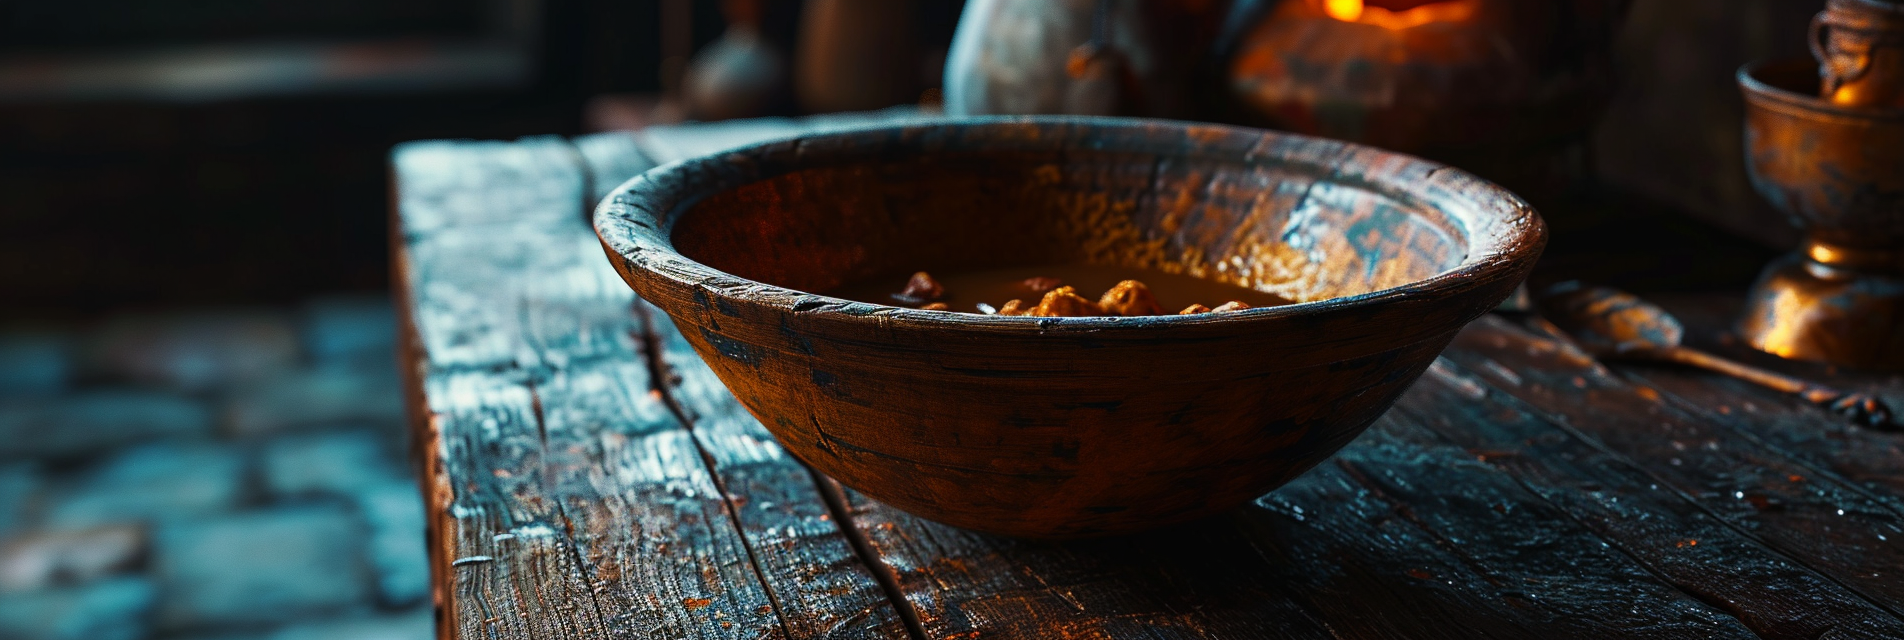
635,222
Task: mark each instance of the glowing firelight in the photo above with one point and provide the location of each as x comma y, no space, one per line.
1358,11
1345,10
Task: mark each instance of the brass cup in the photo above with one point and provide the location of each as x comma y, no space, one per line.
1838,171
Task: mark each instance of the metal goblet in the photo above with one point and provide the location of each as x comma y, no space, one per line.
1838,171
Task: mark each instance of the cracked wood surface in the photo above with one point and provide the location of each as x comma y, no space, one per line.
569,497
587,476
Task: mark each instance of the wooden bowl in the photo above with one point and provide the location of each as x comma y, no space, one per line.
1067,427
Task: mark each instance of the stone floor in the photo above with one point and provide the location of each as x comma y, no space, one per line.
227,474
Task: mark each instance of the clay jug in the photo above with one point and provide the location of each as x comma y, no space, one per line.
1107,57
856,55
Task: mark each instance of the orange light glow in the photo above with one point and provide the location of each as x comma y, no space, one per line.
1344,10
1784,337
1824,254
1357,11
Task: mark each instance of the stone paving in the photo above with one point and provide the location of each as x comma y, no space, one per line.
233,474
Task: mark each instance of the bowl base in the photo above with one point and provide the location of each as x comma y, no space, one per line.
1805,310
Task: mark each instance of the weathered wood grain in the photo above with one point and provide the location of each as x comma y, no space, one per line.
568,499
1454,552
574,513
663,145
448,183
1457,552
586,512
1838,529
670,144
1195,581
1672,537
610,159
796,539
790,512
1352,549
515,296
1393,541
1483,555
1872,460
589,477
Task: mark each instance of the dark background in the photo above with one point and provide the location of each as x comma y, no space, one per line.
108,202
119,194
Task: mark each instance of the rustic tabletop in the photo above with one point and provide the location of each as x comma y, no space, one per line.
588,477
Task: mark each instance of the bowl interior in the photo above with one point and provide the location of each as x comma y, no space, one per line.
1299,231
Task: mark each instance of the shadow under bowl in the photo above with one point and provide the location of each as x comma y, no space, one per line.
1067,427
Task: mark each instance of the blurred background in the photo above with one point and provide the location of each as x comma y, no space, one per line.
200,429
167,153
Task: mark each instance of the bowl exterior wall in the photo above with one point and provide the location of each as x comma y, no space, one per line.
1069,438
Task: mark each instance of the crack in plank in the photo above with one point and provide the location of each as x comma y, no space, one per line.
883,573
652,352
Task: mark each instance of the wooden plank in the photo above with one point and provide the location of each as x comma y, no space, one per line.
611,159
1343,550
567,498
1837,529
796,538
518,297
441,183
1830,445
1674,538
668,144
1200,581
1826,443
1492,559
569,519
899,115
585,519
1322,555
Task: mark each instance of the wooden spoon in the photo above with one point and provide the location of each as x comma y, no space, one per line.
1609,323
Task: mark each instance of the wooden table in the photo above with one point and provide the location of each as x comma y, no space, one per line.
588,477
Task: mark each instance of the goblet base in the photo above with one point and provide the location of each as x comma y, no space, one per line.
1805,310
